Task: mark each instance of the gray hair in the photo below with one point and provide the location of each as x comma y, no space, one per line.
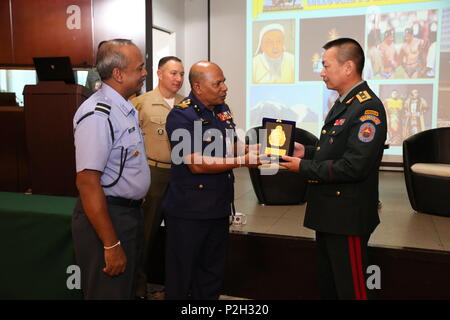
109,57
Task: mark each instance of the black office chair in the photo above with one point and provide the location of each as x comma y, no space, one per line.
284,187
426,163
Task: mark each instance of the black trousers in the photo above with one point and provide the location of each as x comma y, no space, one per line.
196,252
342,264
89,252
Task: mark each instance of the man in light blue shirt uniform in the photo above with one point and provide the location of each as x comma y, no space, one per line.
112,176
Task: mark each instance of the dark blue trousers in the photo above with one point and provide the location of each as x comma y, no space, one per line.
196,252
89,252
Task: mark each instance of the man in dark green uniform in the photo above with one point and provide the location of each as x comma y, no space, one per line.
342,171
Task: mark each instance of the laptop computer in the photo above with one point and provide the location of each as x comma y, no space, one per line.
54,69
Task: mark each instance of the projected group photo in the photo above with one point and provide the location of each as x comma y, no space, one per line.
407,50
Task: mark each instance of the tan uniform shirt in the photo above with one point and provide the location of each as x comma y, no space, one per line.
153,111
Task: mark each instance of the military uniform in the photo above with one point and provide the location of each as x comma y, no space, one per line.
153,111
197,206
108,140
342,197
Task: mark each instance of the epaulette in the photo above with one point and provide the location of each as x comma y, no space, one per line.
103,107
363,96
184,104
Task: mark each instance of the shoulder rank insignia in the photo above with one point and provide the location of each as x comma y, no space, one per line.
363,96
184,104
102,107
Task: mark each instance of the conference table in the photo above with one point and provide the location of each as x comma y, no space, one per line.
36,249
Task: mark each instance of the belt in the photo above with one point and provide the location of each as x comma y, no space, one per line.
158,164
124,202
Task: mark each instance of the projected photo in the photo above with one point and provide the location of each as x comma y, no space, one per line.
282,5
443,109
314,33
295,103
273,43
402,45
408,110
443,116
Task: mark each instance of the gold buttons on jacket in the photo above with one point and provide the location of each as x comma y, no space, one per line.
136,153
318,148
338,193
333,132
200,186
324,131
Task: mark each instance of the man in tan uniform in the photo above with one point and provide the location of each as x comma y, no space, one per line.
153,107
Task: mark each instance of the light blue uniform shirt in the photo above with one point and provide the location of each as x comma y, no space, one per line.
96,148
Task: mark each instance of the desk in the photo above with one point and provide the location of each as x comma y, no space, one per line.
35,246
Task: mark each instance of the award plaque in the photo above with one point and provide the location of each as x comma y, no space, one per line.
280,136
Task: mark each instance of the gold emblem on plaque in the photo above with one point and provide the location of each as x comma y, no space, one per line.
277,137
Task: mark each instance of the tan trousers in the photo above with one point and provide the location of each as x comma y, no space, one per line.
152,220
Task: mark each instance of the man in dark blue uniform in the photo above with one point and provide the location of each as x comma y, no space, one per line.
112,176
342,171
199,198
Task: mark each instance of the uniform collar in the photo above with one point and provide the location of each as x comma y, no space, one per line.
116,98
195,101
160,99
349,92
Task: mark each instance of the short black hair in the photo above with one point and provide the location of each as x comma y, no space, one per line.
164,60
348,49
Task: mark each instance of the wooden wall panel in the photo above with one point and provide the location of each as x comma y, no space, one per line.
6,53
44,28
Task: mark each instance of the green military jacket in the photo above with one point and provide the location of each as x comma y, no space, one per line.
342,170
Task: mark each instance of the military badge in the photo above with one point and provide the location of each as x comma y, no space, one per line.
339,122
184,104
372,112
366,132
226,115
372,118
349,101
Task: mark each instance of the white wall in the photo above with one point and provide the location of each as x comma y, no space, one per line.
228,34
189,20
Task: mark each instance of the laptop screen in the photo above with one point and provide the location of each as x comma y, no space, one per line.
54,69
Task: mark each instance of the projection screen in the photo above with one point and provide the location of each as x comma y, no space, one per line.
407,48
